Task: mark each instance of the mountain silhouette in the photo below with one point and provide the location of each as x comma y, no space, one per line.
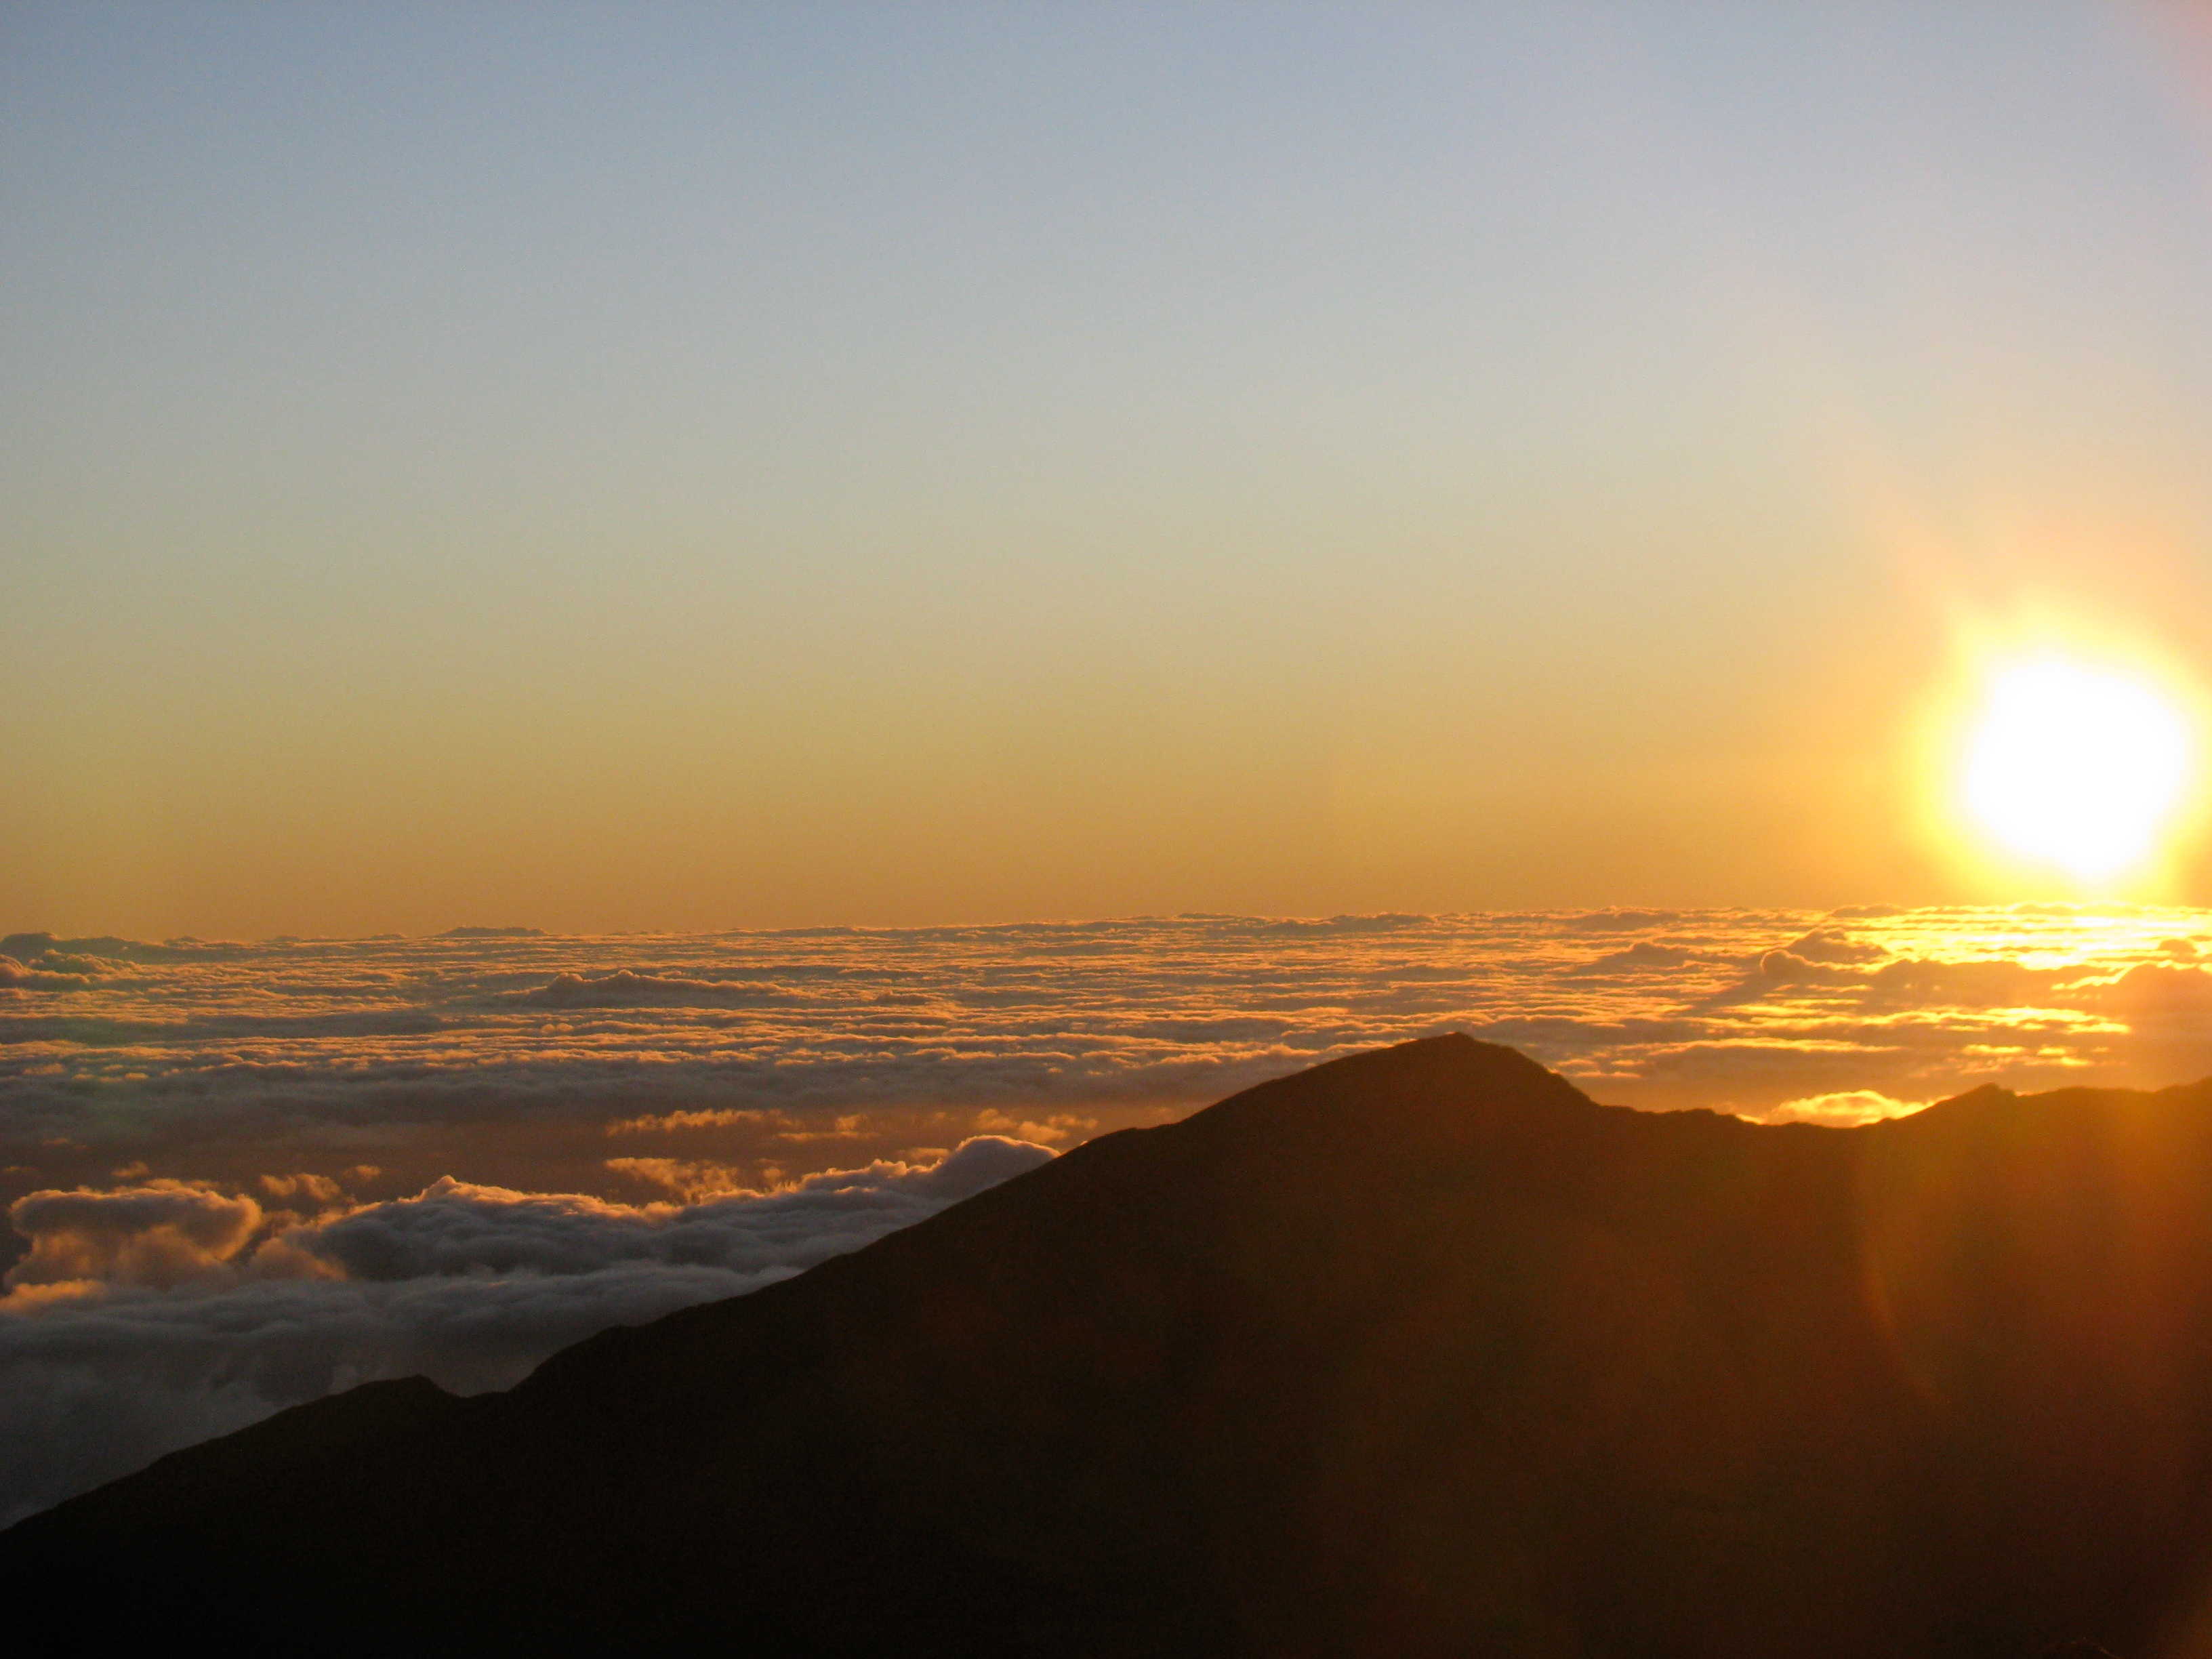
1418,1352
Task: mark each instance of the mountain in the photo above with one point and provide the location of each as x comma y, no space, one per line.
1417,1352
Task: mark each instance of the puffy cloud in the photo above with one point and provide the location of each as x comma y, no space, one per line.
1835,944
318,1188
1647,954
160,1234
2150,990
1991,983
1784,967
1062,1126
456,1228
64,974
691,1179
143,1320
616,1111
1846,1108
1974,983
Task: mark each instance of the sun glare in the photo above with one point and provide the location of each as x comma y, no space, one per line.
2076,766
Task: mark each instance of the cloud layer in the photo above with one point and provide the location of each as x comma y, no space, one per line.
244,1173
146,1317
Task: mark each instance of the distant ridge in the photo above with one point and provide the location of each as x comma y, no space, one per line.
1416,1352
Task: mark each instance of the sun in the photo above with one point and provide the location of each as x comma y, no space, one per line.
2076,766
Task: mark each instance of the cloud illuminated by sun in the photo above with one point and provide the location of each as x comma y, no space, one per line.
2075,765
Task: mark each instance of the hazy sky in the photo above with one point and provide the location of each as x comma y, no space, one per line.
639,466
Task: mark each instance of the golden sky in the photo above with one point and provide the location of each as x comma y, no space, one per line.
706,468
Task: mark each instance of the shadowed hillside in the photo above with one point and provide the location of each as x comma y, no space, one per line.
1419,1353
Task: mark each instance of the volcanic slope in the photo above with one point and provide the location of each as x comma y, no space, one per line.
1417,1352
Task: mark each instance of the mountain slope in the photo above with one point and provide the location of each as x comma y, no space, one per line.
1416,1352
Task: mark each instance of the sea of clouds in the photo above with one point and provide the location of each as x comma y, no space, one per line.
240,1175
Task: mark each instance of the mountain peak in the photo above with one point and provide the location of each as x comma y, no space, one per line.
1438,1081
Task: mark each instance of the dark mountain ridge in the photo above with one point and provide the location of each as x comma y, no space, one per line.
1417,1352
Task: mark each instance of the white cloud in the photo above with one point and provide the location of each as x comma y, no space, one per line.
147,1317
631,1119
455,1227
